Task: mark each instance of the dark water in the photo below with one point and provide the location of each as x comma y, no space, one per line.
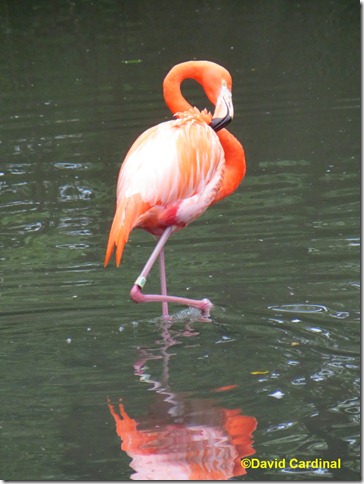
275,374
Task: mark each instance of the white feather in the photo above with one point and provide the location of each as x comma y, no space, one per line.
151,169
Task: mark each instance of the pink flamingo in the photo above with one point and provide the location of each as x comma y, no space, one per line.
174,171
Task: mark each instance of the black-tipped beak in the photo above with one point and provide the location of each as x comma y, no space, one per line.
220,123
224,110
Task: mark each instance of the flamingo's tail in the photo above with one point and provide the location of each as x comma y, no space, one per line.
125,219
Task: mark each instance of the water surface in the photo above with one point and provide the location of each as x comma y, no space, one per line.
85,372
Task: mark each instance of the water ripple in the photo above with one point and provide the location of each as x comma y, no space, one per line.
309,309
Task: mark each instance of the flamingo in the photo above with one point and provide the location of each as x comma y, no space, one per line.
175,170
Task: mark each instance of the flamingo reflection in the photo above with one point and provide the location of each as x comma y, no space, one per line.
182,438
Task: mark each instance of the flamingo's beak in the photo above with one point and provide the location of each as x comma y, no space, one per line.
224,109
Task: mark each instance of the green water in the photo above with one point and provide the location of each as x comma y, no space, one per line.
280,259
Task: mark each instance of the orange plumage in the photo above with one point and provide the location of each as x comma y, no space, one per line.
174,171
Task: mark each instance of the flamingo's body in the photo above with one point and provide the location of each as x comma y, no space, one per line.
174,171
170,176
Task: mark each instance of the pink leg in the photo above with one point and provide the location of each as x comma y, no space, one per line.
204,305
163,279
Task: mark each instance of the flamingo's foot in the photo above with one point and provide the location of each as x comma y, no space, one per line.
203,305
206,307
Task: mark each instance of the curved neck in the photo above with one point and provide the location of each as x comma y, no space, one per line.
172,84
235,164
201,72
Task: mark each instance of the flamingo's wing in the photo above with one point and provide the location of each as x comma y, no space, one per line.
175,166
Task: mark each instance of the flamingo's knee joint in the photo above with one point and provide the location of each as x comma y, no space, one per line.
136,294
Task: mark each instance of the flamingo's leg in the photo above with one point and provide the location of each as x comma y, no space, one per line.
163,278
204,305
